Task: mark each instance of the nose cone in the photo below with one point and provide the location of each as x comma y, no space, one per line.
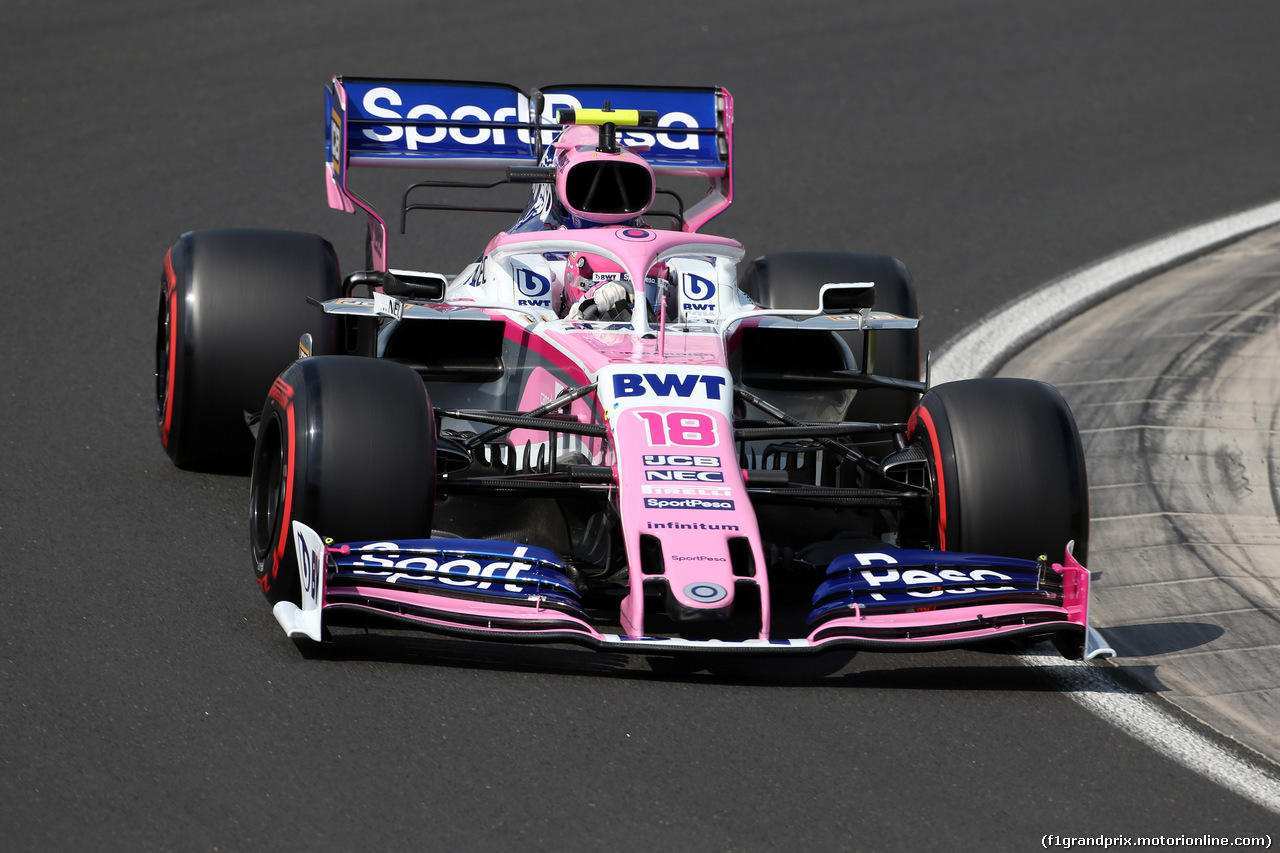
721,609
700,601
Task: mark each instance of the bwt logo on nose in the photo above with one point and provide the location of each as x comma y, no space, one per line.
633,385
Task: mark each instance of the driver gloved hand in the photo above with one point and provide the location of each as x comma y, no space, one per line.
604,299
609,294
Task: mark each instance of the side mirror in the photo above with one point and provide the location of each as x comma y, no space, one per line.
414,285
846,297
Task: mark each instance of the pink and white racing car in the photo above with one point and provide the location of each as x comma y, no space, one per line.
610,429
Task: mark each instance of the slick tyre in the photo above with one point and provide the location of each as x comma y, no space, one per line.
794,279
233,304
1008,469
347,446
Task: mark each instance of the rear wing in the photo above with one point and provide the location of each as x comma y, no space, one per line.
449,124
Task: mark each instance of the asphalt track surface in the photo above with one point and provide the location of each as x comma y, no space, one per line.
147,698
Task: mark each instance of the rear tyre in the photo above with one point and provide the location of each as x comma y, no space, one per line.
233,304
793,280
347,446
1008,469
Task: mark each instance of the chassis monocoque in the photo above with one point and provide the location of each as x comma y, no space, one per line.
747,460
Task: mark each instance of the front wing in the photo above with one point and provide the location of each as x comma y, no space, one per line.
874,601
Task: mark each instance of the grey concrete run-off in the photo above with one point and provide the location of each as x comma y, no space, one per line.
1176,387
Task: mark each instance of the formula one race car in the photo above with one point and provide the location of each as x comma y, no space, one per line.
602,431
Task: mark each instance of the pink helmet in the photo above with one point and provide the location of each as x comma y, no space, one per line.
584,272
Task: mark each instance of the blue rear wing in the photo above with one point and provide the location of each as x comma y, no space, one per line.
424,123
451,124
702,150
448,124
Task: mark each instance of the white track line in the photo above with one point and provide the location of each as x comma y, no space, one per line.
990,343
1096,688
980,352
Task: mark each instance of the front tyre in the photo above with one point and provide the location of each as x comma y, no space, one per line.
233,304
1008,469
347,446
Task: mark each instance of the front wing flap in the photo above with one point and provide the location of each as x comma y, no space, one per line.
509,590
897,600
913,597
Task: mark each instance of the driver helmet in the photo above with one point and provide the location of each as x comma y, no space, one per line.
583,273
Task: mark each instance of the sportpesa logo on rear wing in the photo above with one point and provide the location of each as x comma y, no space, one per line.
388,122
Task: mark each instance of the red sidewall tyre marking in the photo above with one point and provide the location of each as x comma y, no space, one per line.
932,432
171,282
282,393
